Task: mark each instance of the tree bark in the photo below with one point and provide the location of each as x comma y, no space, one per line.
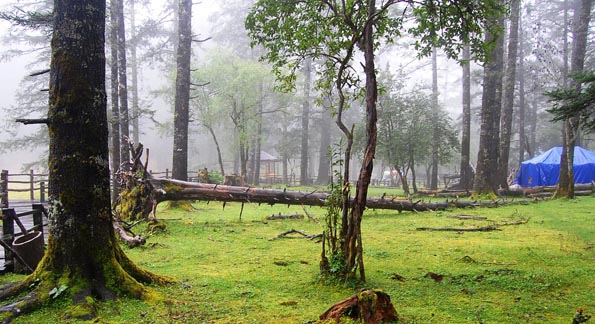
82,252
304,175
435,128
115,108
580,31
324,166
466,179
123,84
522,102
507,108
132,45
367,306
487,158
174,190
182,100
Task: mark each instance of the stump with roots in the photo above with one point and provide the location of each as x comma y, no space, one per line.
367,306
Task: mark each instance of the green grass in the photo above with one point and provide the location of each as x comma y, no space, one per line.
232,272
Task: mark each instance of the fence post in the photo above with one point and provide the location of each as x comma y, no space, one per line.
32,184
42,191
7,236
38,218
166,173
4,189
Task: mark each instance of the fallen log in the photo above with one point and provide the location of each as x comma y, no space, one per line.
168,189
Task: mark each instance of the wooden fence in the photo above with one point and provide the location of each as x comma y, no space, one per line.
32,183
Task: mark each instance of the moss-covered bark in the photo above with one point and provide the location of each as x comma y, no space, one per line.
83,259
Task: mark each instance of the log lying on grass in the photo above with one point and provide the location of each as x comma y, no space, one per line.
168,189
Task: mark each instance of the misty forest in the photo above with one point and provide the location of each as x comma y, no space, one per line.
376,134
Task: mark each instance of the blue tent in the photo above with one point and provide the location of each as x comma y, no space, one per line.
544,169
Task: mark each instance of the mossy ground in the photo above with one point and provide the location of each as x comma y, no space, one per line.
232,272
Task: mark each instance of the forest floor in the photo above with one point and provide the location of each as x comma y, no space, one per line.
234,270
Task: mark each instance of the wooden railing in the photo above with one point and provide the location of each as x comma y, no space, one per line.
33,183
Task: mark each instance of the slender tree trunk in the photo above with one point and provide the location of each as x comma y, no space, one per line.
258,145
487,158
435,129
403,178
507,110
466,179
354,250
580,29
522,104
325,143
413,175
182,100
304,176
134,75
115,107
218,147
123,84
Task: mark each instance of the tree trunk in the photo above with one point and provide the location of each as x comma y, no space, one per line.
324,164
182,100
219,157
304,178
580,30
174,190
435,129
132,45
115,120
403,179
487,158
466,179
353,244
123,84
522,104
507,110
82,253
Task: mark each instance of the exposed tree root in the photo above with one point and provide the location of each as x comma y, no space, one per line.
368,306
119,276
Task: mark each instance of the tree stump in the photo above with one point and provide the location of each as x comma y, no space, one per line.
368,306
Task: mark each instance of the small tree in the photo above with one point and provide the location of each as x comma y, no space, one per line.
292,31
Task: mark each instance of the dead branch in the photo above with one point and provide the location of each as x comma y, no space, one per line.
294,231
460,229
130,240
310,217
470,217
288,216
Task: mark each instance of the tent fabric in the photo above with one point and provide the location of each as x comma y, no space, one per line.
544,169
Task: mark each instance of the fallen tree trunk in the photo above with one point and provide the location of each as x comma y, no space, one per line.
168,189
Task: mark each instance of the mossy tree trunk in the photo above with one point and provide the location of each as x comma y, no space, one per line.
83,255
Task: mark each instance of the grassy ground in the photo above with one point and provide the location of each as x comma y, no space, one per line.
232,272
